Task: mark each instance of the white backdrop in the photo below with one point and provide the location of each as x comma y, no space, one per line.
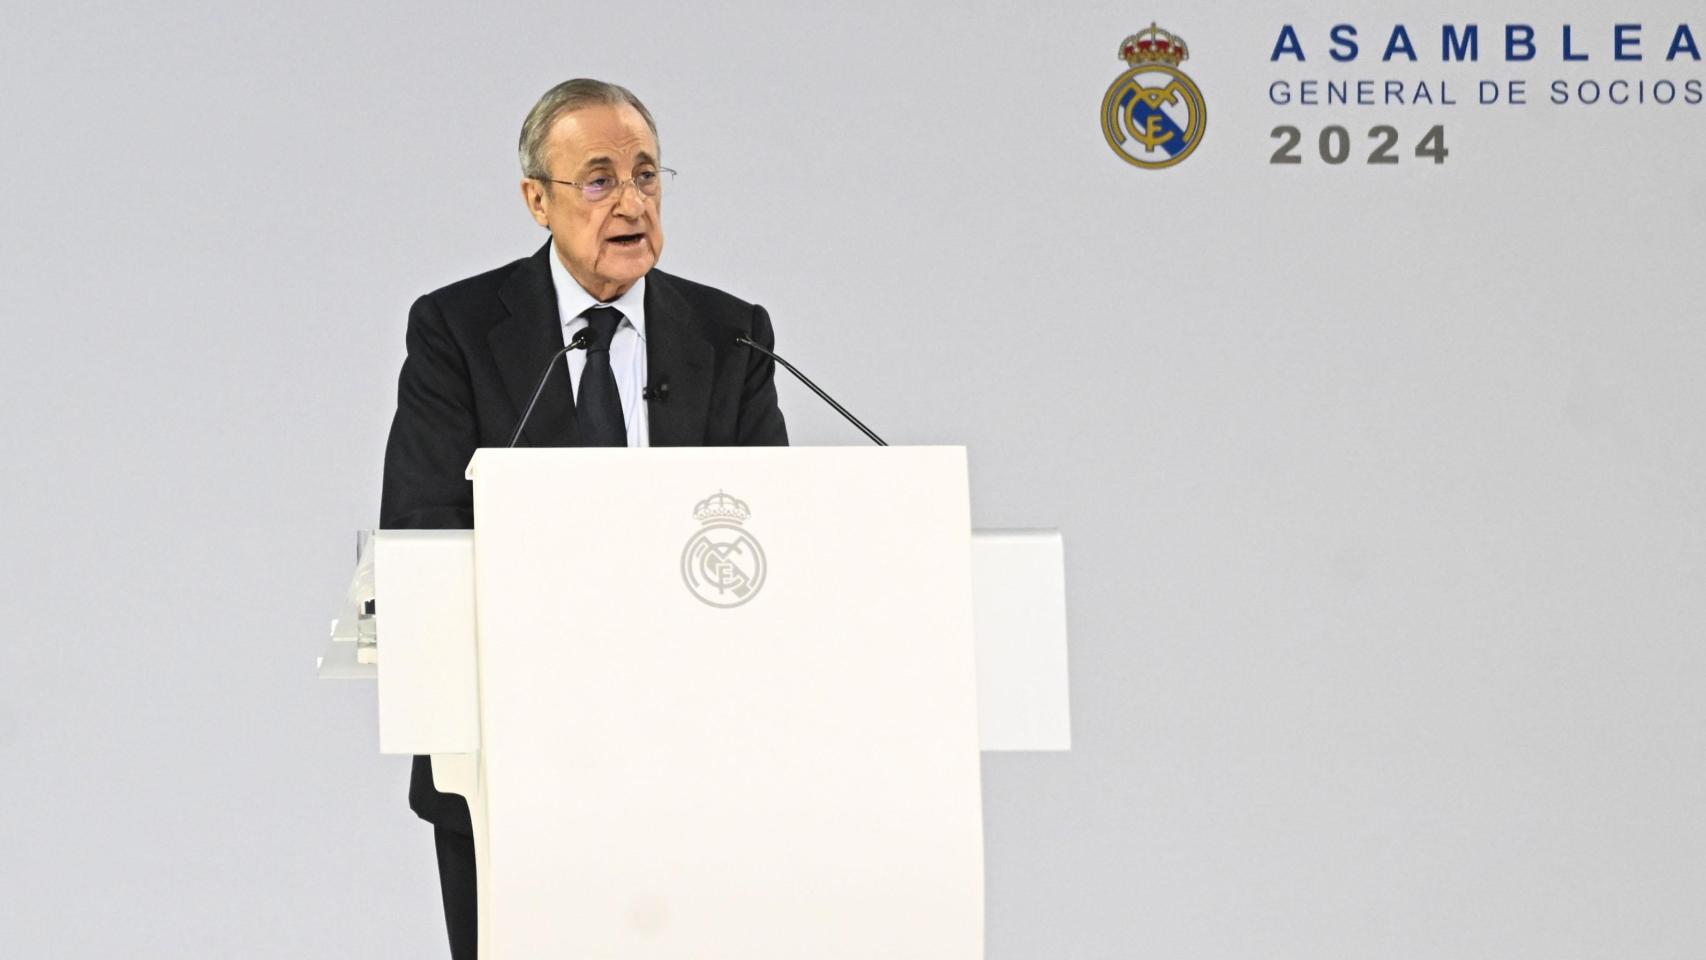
1381,484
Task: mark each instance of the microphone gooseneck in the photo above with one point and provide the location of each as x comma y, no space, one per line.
577,342
815,389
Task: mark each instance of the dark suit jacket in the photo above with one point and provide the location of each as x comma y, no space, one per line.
476,350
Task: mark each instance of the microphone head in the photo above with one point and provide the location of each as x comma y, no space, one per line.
578,341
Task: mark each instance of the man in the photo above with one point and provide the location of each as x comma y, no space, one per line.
660,367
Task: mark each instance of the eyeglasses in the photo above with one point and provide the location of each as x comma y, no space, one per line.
599,189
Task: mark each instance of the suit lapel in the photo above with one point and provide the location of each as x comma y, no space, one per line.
678,354
523,341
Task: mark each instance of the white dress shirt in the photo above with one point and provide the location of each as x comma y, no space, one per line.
627,346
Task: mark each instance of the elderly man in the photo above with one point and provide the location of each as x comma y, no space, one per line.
660,366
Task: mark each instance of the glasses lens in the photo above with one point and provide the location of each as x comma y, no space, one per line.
597,189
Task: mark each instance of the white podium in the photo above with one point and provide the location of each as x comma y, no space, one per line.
718,703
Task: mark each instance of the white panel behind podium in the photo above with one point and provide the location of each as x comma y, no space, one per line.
1018,599
1019,595
427,697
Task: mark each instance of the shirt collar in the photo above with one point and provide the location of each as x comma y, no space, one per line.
573,300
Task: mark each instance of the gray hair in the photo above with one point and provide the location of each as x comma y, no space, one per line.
563,98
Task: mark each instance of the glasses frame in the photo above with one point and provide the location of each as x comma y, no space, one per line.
617,190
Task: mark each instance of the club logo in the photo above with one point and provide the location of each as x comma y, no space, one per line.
1153,115
723,565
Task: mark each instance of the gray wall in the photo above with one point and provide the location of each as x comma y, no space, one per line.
1382,488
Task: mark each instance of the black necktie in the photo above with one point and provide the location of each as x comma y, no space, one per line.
598,406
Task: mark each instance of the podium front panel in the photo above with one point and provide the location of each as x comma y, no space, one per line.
728,704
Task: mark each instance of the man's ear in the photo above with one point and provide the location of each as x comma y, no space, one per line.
533,194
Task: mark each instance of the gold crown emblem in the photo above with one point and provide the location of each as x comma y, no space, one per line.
1154,45
720,506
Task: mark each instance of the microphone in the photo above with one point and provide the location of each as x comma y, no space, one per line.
826,397
660,393
577,342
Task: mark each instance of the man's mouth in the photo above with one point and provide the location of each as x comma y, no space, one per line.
627,239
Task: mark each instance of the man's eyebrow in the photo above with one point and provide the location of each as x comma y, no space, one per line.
639,158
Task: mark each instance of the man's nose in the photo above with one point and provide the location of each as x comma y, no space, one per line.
630,202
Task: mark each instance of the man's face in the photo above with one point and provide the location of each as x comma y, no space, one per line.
608,245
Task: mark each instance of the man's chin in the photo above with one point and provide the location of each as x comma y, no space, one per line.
626,267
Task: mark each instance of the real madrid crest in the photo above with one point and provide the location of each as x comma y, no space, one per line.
722,564
1153,115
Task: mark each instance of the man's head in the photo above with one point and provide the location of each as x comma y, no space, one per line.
594,135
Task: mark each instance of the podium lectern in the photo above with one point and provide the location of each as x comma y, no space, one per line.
713,703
